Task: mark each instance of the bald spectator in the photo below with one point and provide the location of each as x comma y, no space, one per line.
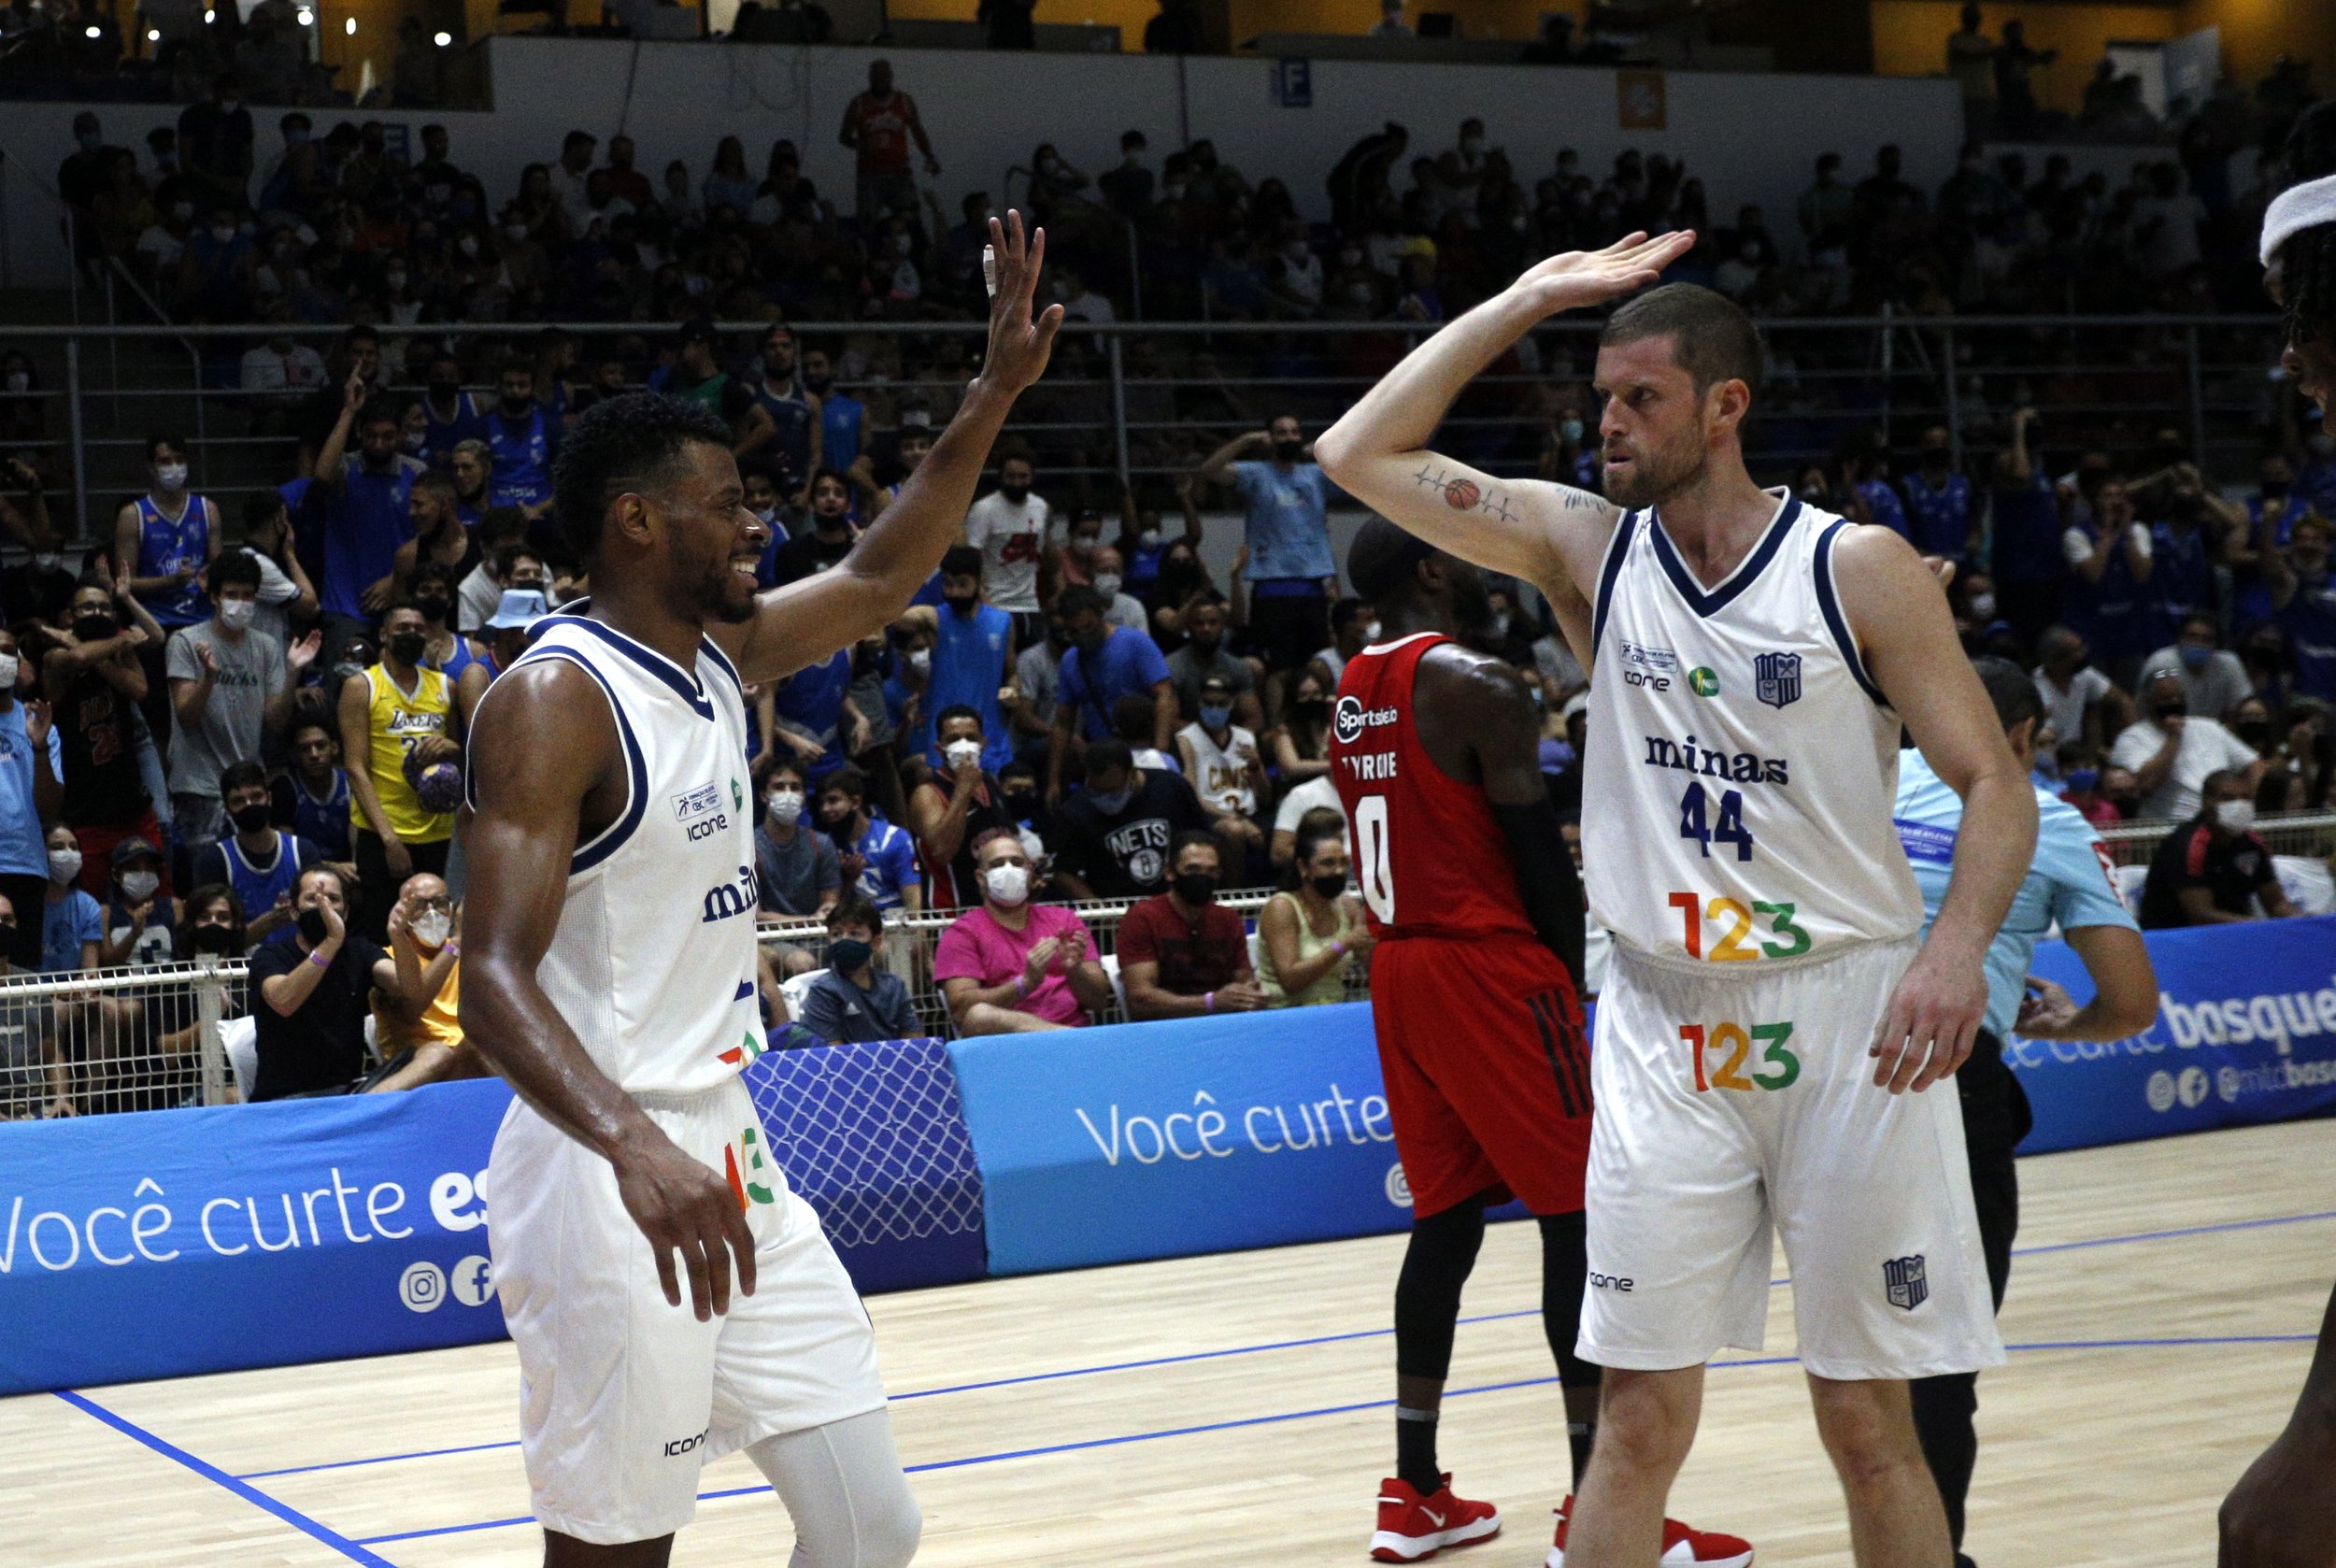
1014,967
426,1030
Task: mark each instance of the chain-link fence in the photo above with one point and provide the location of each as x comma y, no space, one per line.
1132,403
152,1039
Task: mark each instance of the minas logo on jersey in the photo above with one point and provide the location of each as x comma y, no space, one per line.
728,900
1350,719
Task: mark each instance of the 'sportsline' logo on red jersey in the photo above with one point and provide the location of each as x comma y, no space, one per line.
1350,719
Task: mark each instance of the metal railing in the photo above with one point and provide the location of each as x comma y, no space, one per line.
1158,395
145,1039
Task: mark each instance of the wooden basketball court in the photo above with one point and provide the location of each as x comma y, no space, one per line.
1237,1408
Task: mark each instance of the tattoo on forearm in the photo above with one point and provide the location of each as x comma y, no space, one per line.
1463,494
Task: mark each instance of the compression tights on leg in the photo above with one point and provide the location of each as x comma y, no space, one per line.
843,1486
1564,1275
1436,1265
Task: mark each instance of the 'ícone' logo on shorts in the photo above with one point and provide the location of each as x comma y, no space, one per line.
1905,1283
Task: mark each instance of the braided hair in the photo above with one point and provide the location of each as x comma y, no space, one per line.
2308,258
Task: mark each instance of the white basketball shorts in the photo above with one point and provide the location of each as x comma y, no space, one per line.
1733,1098
622,1396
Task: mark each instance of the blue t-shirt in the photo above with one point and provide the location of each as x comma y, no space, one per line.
164,547
2181,577
65,923
1941,518
2069,884
520,457
969,664
2310,622
1288,519
891,857
1888,511
1130,663
2028,530
322,820
441,437
363,525
2292,505
23,851
841,420
812,700
257,888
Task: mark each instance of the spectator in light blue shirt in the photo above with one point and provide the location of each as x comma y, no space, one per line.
2069,884
32,764
879,860
1292,573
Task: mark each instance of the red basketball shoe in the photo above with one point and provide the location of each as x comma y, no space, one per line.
1412,1528
1683,1548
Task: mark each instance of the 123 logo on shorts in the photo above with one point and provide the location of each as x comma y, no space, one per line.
1733,1043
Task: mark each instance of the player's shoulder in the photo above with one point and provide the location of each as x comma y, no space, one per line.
1480,684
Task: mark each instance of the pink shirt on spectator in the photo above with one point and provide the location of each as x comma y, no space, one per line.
977,947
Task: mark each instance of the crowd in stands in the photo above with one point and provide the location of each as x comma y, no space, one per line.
236,730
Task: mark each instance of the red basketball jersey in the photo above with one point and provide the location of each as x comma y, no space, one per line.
1430,857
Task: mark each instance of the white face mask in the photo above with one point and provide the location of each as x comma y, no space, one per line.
138,886
8,675
786,806
1007,884
236,614
920,660
2234,816
1983,606
64,864
171,475
960,752
1108,583
1149,538
431,927
1371,632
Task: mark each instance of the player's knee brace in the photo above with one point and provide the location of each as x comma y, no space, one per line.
1564,1275
1436,1264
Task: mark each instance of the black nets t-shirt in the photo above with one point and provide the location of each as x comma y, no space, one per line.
1125,855
322,1044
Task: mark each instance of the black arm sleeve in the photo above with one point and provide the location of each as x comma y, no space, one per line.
1546,878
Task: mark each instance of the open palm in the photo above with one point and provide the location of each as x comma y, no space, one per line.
1580,278
1019,342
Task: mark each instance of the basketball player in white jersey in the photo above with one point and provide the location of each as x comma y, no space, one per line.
610,978
1768,1023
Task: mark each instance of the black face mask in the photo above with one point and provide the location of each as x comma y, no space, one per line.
1016,494
444,392
8,931
2170,710
845,954
214,939
1288,451
2275,489
94,626
2255,731
433,609
818,385
514,407
1022,803
249,819
312,929
1195,887
406,646
1330,887
960,607
1312,708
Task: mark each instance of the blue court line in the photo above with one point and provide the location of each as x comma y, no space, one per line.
1319,1339
354,1550
1319,1412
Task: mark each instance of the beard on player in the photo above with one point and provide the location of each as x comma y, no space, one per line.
1643,472
1471,606
721,579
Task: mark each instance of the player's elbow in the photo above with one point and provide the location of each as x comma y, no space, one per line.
1334,452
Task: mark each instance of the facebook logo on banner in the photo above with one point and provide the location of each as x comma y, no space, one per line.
1293,83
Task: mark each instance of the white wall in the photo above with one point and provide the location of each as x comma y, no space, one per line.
1751,137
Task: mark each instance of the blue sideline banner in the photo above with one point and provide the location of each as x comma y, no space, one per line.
1156,1140
2246,1032
166,1243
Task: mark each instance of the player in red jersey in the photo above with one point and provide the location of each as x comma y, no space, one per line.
1479,918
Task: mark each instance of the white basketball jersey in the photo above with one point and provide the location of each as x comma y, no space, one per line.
652,964
1741,764
1221,772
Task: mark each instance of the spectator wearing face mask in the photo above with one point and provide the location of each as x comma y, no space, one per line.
2212,870
877,858
309,994
2213,681
1227,772
286,594
1181,953
974,664
1012,966
367,497
1305,937
140,917
165,539
95,683
1206,657
1010,526
1112,837
1120,607
72,928
2081,703
954,808
507,562
398,709
420,1039
2081,787
798,868
819,548
258,861
2302,595
2172,750
856,1000
1942,509
231,691
2107,598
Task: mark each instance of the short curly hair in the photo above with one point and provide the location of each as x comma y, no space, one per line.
2308,259
618,445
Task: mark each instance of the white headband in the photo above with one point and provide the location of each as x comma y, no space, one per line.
2298,207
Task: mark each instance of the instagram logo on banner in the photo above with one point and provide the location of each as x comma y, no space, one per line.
422,1287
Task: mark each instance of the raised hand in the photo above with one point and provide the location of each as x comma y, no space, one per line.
299,655
1019,344
36,721
1580,278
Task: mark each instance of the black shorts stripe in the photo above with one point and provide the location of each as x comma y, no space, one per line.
1562,1045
